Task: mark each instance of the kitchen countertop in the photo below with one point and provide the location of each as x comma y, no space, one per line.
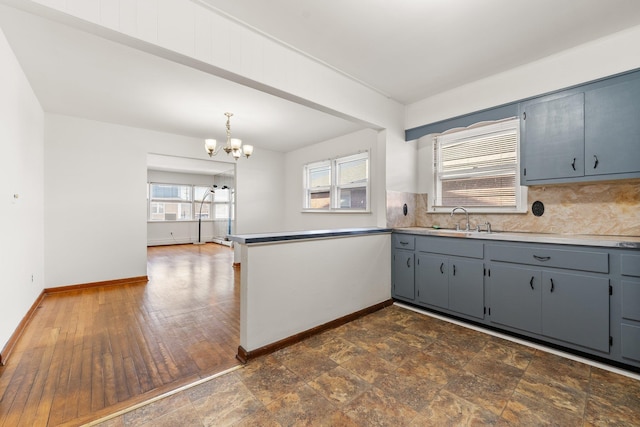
247,239
628,242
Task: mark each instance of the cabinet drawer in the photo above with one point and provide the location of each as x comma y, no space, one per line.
451,246
630,342
571,259
404,241
630,265
631,300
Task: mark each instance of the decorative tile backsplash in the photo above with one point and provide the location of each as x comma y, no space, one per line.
608,208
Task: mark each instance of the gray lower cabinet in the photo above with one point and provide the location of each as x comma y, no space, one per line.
570,306
515,295
403,266
466,287
582,298
630,307
432,280
566,306
403,274
575,309
452,283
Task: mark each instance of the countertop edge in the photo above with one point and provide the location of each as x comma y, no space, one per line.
248,239
621,242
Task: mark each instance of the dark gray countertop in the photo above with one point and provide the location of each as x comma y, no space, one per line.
629,242
248,239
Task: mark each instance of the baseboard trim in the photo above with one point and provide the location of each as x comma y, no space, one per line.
13,339
244,356
81,286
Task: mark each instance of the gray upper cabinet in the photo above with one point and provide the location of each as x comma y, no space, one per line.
612,129
587,133
553,138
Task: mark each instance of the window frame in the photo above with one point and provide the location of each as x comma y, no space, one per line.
195,203
477,130
334,187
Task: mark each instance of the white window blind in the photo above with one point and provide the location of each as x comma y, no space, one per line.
478,167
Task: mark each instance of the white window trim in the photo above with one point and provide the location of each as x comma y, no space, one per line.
333,188
521,191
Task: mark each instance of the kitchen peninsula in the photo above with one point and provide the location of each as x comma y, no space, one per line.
296,283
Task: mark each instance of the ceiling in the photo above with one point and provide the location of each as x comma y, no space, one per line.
407,50
413,49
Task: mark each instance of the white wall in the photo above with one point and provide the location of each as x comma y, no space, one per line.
295,160
259,192
95,201
21,174
601,58
290,287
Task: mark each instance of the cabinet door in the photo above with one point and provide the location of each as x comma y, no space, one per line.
403,274
466,287
553,138
575,309
612,129
516,297
432,280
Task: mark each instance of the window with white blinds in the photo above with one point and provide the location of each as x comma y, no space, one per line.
477,168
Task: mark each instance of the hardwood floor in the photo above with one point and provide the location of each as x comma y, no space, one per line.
92,352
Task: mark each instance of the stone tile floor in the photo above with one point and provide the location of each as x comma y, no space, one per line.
397,367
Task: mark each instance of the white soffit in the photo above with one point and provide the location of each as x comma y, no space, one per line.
76,73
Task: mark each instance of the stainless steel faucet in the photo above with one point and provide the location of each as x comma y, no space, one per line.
468,227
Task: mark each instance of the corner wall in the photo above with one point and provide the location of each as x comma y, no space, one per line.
22,194
345,145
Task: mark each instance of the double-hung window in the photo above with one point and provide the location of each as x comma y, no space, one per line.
340,184
477,168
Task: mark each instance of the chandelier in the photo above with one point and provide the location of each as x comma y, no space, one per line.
234,145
